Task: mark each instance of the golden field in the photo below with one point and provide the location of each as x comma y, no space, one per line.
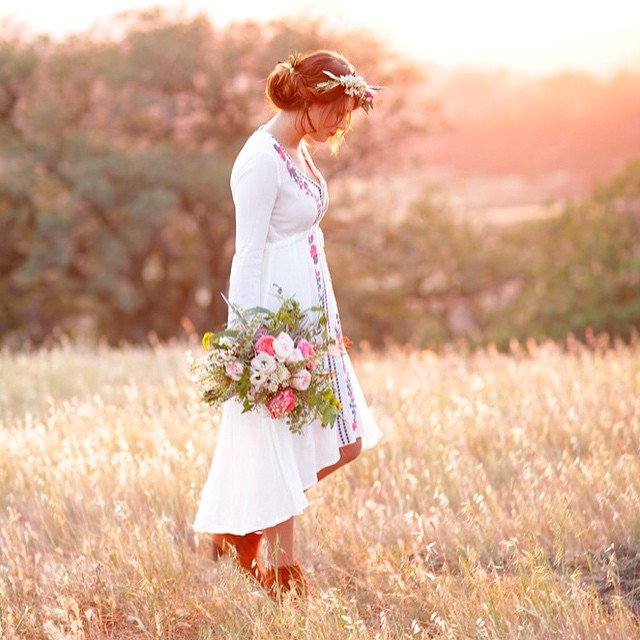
502,502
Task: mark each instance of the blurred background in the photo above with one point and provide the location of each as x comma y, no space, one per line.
493,194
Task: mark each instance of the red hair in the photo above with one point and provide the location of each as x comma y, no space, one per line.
292,85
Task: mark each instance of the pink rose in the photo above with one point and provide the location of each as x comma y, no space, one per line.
281,404
264,344
300,380
307,351
306,348
234,369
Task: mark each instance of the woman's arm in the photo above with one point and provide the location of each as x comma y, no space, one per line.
254,186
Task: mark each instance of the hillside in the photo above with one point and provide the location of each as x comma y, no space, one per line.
506,141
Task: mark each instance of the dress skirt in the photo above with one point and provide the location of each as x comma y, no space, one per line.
260,470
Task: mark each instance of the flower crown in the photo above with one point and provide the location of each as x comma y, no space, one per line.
354,85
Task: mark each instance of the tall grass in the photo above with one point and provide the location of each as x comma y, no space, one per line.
502,502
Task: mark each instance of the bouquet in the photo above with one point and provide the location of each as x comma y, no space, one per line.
273,362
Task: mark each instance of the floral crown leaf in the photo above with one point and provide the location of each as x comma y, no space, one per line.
353,85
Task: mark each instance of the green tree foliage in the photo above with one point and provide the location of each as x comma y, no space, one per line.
119,181
581,271
420,278
428,279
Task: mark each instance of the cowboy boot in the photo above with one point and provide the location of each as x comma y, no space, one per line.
244,548
281,580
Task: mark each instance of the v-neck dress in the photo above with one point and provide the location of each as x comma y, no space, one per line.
260,470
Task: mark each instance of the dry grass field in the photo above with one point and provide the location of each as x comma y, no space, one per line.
502,502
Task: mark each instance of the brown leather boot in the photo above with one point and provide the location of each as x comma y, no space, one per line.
243,548
281,580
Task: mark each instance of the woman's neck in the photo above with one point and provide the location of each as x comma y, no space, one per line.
283,127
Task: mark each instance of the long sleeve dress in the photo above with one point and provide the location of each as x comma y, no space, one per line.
260,470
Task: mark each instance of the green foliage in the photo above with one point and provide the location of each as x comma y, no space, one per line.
122,199
583,268
428,278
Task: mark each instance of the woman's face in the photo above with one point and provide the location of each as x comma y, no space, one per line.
329,118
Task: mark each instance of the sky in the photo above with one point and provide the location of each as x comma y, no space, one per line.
539,37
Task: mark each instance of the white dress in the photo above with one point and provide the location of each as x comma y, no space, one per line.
260,470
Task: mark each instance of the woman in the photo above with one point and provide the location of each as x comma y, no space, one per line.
260,470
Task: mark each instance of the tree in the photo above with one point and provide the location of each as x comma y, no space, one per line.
583,268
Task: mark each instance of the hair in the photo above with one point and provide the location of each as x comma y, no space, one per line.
291,86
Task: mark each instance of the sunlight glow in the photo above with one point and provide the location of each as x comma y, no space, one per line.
532,37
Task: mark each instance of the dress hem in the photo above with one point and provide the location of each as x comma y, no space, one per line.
272,522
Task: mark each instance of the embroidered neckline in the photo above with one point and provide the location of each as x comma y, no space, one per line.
309,186
293,163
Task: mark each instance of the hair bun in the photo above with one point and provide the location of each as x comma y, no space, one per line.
282,87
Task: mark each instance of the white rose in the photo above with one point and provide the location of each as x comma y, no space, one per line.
282,346
300,380
263,362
